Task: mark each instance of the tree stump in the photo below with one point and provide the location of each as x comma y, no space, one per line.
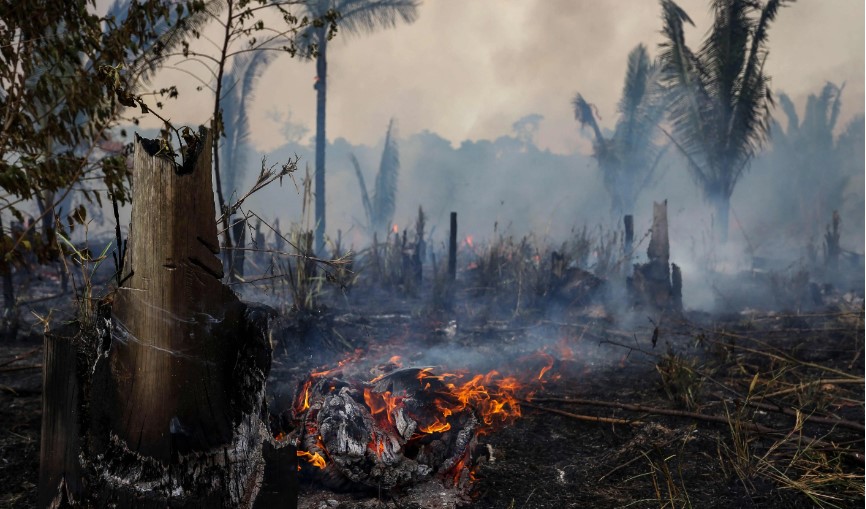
651,283
172,413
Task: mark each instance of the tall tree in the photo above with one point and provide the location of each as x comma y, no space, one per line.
628,159
720,95
355,17
380,210
805,146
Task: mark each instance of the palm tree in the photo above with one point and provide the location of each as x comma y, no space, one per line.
806,145
355,17
629,158
380,210
240,85
720,95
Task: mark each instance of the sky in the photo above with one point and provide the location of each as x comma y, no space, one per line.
469,69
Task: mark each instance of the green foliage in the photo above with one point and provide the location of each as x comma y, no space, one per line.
806,145
380,210
628,159
720,95
53,114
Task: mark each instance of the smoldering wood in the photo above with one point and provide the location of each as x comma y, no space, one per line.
452,248
175,368
365,452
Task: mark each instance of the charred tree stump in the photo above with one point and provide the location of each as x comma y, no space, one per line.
172,381
652,284
60,471
452,249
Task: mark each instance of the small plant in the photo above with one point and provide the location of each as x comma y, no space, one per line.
87,265
680,378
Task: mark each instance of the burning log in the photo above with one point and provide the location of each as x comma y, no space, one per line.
163,405
652,283
400,428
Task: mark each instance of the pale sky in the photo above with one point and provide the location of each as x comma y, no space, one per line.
468,69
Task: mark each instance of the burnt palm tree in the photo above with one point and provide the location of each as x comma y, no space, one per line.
628,159
380,210
354,17
720,95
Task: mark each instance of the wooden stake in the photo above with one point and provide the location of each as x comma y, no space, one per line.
452,249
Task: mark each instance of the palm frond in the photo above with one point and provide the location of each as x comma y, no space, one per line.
172,33
583,113
240,84
365,198
360,16
385,193
791,113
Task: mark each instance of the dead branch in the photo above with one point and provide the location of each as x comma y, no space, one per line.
581,417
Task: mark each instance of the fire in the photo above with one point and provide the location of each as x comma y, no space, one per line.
303,401
547,366
395,228
469,241
314,459
436,427
382,405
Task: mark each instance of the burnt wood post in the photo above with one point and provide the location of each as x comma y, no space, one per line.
628,223
651,282
60,472
452,249
172,381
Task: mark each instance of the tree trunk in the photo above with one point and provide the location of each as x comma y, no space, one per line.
174,381
321,140
654,284
722,205
9,320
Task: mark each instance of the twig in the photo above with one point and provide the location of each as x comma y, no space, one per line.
20,368
655,410
20,357
838,381
810,418
580,417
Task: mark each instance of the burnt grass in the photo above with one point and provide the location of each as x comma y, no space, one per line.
811,361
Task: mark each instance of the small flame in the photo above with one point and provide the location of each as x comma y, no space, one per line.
303,401
469,241
548,366
314,459
395,228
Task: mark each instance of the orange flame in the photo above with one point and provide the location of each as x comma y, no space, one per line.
303,401
314,459
382,405
395,228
